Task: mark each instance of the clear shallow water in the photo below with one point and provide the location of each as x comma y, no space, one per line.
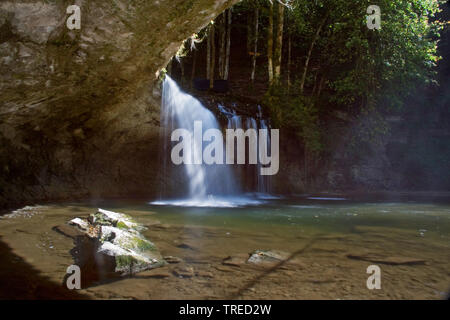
325,230
210,202
324,214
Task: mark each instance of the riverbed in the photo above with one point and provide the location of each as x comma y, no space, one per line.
327,244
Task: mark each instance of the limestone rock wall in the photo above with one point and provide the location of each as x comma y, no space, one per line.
79,110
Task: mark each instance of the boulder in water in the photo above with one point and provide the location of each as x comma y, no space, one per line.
268,257
118,236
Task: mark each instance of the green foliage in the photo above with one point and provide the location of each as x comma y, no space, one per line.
371,67
298,114
369,128
367,72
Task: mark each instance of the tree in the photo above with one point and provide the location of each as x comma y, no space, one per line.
270,44
208,54
311,47
212,32
289,62
255,42
360,72
279,43
223,32
228,49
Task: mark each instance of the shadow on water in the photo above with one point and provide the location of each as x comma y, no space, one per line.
96,268
20,281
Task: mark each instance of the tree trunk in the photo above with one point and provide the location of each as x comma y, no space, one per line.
250,29
223,31
319,90
227,58
308,57
306,167
213,56
315,84
255,45
270,44
289,63
208,55
279,43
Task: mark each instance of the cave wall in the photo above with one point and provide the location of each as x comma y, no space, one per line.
79,110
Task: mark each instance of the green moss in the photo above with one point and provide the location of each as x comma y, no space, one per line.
122,225
144,245
124,261
99,219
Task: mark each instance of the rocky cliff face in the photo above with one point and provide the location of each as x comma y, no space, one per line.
79,110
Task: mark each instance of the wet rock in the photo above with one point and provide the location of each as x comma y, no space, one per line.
172,259
205,274
236,261
184,271
33,21
91,230
185,245
117,236
268,257
394,260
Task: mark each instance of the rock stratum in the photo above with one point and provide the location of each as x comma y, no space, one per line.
79,110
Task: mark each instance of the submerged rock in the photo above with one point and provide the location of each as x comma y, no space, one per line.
172,259
184,271
117,235
236,260
264,257
393,260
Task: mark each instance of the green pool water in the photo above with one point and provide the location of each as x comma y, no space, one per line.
322,233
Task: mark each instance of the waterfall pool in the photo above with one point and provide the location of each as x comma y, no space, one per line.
328,242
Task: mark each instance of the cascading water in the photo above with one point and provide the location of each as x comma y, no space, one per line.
181,110
235,121
206,185
263,181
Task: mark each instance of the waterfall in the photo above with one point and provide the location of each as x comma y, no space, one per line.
203,182
236,122
201,185
264,181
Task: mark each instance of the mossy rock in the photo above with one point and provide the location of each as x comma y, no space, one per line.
122,226
119,237
99,219
128,265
